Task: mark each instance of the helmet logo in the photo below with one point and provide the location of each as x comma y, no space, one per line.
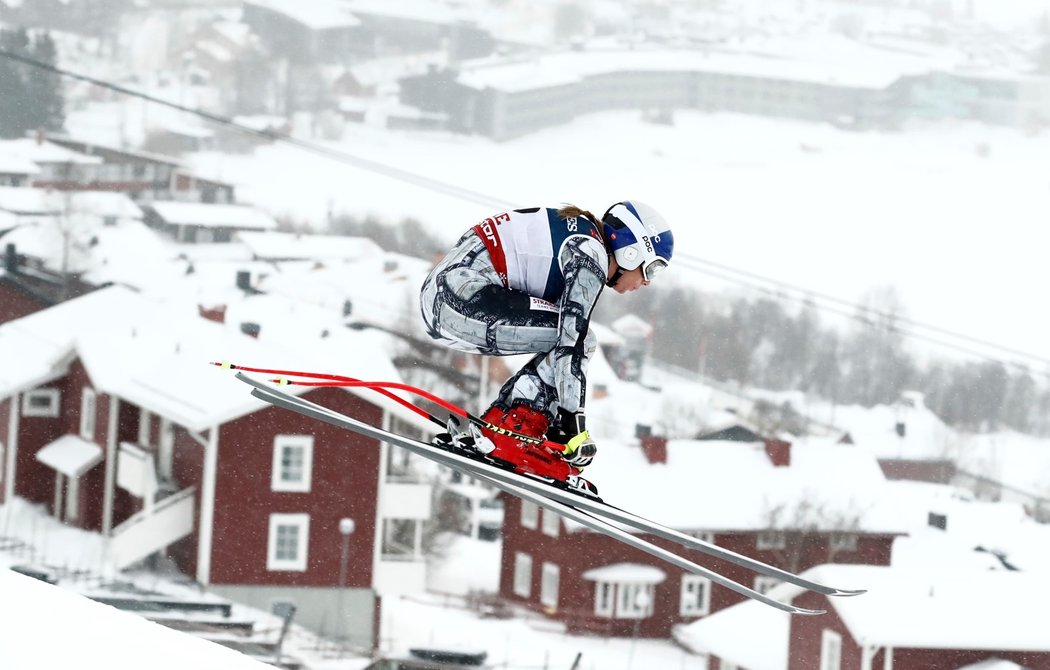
648,244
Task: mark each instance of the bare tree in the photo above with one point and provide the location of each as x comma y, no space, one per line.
801,528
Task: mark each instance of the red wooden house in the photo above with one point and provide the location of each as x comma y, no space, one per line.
910,619
114,420
776,503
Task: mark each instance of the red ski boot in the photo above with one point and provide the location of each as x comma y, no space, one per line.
534,456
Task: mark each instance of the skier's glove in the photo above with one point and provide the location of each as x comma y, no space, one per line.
570,429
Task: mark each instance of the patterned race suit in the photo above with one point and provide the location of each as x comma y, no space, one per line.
519,282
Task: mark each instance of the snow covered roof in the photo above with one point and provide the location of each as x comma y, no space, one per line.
631,325
895,612
382,70
20,200
13,164
626,573
830,60
156,356
71,455
722,485
212,215
428,11
275,245
45,152
899,605
105,203
316,14
730,634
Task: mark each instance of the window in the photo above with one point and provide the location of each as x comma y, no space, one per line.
634,601
88,405
703,536
286,549
145,421
771,539
530,515
551,522
764,583
843,541
292,462
41,402
604,598
402,539
522,574
549,585
830,650
696,596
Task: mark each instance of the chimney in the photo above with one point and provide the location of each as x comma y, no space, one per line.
10,259
779,452
216,314
655,448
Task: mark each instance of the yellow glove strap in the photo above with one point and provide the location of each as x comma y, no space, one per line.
574,444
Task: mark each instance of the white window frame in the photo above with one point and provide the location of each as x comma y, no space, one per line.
843,542
278,482
551,523
88,413
390,550
301,522
628,595
703,536
604,599
51,410
689,603
763,583
830,650
145,426
522,574
550,578
530,515
769,540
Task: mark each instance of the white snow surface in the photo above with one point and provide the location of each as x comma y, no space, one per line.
94,635
837,212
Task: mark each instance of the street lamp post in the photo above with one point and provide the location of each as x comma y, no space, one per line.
346,529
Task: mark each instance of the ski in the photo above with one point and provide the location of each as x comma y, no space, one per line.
588,511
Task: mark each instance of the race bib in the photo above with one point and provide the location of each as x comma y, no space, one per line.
542,305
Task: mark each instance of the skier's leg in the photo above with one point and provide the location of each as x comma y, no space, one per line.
465,305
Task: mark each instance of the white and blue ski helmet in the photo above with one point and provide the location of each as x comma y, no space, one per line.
638,236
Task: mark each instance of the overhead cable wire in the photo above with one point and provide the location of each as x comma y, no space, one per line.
695,263
860,318
782,285
328,152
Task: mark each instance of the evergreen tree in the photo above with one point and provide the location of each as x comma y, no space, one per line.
14,114
29,98
44,89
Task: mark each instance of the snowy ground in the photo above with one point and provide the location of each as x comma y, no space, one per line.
98,637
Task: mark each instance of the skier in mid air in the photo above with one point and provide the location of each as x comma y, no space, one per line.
526,281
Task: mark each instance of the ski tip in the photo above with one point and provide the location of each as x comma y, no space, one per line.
225,365
806,612
280,381
846,593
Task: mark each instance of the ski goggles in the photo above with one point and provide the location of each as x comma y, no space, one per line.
652,268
